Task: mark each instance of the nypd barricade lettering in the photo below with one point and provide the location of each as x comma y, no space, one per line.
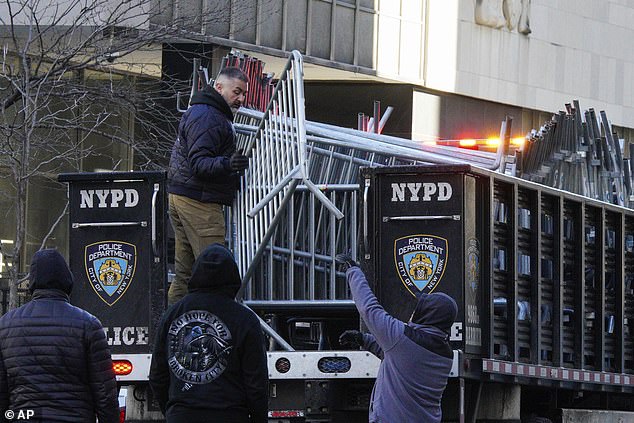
456,332
108,198
129,335
421,191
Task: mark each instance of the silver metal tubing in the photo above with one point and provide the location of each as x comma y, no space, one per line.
406,218
265,239
107,224
299,304
269,331
331,187
155,250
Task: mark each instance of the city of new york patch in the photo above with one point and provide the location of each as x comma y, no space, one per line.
110,267
420,262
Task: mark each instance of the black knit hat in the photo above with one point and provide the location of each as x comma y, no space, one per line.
215,270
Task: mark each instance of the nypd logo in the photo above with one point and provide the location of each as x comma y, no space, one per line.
110,267
420,262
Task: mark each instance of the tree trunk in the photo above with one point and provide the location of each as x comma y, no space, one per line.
18,246
21,184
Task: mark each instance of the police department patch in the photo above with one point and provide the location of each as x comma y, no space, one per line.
420,262
110,267
199,345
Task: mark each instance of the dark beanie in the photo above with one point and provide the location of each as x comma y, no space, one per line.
436,309
50,271
215,270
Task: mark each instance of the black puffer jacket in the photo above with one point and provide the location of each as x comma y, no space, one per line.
199,166
209,362
54,356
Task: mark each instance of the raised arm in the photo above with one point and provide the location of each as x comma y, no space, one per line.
386,329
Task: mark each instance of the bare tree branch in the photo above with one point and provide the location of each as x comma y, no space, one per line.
54,226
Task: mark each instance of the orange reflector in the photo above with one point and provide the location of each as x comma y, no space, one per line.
493,141
467,143
519,141
122,367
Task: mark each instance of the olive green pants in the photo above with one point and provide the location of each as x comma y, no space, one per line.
196,225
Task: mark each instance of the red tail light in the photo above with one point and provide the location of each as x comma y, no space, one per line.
122,367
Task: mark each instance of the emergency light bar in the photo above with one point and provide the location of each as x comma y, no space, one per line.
480,144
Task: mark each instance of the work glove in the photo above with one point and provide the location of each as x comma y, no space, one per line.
351,339
345,262
238,161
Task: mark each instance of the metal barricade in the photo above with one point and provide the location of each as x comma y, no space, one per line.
297,204
297,207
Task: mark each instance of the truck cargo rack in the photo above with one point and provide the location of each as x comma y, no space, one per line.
542,277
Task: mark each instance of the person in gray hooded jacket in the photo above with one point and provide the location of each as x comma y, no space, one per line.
416,357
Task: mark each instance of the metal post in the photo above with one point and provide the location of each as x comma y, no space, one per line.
377,116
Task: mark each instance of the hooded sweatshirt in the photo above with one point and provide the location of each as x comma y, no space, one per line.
416,356
209,362
199,166
54,356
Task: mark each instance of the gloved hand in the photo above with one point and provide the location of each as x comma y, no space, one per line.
238,161
351,338
345,262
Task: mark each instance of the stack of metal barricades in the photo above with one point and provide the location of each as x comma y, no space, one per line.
579,152
297,207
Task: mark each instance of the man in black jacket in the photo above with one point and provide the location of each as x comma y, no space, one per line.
55,365
203,172
209,361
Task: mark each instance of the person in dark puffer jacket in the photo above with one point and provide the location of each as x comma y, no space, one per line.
209,361
203,174
54,358
416,356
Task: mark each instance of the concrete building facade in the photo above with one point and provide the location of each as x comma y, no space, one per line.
524,57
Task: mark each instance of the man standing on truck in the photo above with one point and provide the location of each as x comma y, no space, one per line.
203,173
209,361
55,365
416,357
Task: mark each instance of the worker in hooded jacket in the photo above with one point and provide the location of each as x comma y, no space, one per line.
55,365
209,362
204,172
416,357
